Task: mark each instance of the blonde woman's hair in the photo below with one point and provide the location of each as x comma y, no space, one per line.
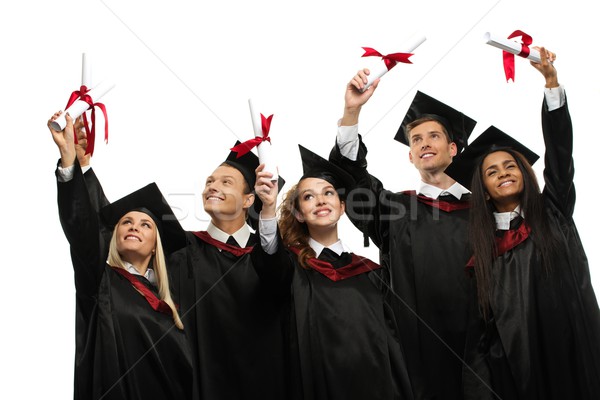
160,268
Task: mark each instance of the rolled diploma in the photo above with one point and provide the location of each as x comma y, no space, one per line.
381,68
86,70
265,154
79,106
511,46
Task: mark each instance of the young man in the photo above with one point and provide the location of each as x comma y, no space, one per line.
422,236
234,327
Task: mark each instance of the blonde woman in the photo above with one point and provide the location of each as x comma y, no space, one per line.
130,342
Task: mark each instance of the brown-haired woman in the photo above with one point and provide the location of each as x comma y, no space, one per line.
343,342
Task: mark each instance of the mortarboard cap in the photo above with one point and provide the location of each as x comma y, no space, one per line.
247,164
149,200
492,139
315,166
458,125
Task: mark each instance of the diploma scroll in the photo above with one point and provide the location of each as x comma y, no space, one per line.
511,46
265,151
381,68
86,71
79,106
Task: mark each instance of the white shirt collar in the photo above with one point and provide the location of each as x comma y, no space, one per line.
241,236
150,275
337,247
503,218
433,192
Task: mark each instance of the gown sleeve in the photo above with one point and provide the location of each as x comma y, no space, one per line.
274,270
80,222
575,281
368,203
559,170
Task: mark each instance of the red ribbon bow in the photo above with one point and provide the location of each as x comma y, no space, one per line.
390,59
82,94
248,145
509,58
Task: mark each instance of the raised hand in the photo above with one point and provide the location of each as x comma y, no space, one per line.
81,145
266,189
64,140
354,98
546,67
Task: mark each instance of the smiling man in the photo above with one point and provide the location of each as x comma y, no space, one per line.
421,235
234,326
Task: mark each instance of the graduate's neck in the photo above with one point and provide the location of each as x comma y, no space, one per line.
506,206
229,226
139,263
324,235
438,179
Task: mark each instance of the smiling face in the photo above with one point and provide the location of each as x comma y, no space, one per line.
430,148
223,196
319,205
136,236
503,180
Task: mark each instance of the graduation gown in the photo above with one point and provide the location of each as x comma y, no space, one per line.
234,327
543,338
423,244
342,334
124,348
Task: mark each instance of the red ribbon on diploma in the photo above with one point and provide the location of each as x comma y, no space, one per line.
509,58
82,94
390,59
248,145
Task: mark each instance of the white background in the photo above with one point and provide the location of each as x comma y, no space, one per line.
184,72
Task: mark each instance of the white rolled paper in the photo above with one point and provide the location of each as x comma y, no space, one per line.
79,106
510,46
408,47
265,153
86,70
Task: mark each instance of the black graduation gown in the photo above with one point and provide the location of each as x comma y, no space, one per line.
425,249
234,326
342,334
543,339
124,349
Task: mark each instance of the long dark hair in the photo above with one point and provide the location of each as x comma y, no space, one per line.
482,224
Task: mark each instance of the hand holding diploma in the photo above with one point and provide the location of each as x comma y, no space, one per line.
390,60
511,47
82,100
79,102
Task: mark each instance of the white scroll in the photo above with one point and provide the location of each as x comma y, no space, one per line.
511,46
381,69
265,153
79,106
86,71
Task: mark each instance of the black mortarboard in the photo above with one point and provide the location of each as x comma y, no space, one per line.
492,139
458,125
247,164
315,166
149,200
